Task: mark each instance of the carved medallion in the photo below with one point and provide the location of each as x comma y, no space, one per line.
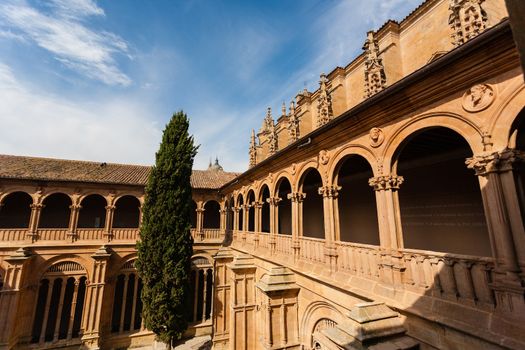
324,157
376,137
478,98
294,169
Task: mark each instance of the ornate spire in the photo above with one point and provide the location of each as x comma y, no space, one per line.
268,121
375,78
273,140
467,19
324,103
253,150
293,123
283,110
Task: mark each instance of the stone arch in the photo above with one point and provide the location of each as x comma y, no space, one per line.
83,262
303,169
346,151
264,195
56,211
312,205
501,124
127,211
315,312
470,132
279,178
201,284
15,210
440,202
127,304
93,211
212,215
250,200
283,187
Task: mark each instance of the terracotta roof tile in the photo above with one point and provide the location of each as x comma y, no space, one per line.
50,169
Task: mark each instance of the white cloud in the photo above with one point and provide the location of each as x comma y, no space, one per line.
40,124
68,39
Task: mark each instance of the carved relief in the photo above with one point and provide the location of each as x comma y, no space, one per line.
467,20
375,78
324,103
478,98
293,171
273,141
381,183
324,157
376,137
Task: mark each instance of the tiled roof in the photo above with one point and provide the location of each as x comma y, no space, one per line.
50,169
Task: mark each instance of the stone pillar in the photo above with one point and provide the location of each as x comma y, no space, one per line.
245,221
297,199
10,296
236,227
389,222
73,221
94,300
108,225
243,330
280,305
257,223
36,211
331,223
200,221
221,299
505,225
274,221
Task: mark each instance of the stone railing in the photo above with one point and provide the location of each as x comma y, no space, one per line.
283,244
358,259
264,240
52,234
10,235
453,277
312,249
207,234
125,234
88,234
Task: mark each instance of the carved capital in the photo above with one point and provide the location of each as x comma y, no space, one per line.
37,206
257,205
501,161
110,207
329,191
382,183
75,207
273,201
296,196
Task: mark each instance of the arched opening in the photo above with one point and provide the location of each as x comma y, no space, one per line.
240,218
127,303
313,217
440,199
15,210
265,210
517,141
201,284
357,202
127,212
212,215
60,304
56,212
251,211
193,214
93,212
284,224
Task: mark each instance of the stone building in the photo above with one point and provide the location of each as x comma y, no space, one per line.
384,211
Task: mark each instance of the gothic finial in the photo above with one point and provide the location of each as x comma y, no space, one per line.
293,123
253,150
324,102
283,109
375,78
268,120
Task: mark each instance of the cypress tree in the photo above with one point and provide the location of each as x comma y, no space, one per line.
165,246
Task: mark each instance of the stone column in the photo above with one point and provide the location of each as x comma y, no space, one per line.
108,225
505,225
200,221
389,222
94,300
297,199
331,223
236,227
10,296
245,221
36,211
273,202
73,221
257,227
221,304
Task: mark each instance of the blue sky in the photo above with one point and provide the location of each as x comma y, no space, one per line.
98,80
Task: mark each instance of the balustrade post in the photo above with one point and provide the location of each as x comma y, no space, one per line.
296,199
331,223
108,225
10,295
73,221
273,202
501,203
390,233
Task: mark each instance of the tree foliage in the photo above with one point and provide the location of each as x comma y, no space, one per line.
165,246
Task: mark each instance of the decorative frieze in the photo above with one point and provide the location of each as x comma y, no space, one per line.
375,78
382,183
500,161
467,19
324,103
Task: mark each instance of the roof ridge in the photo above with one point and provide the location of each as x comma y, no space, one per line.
93,162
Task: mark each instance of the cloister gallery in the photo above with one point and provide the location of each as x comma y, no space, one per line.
386,219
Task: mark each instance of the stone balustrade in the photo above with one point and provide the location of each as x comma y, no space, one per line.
312,249
207,234
359,259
